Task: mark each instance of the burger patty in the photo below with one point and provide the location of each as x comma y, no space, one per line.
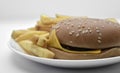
86,49
81,49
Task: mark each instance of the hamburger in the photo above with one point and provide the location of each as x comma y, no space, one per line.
85,38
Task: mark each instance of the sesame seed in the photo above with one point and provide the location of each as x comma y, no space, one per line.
96,27
100,34
90,31
99,38
83,32
88,28
77,34
72,25
99,41
67,27
70,33
78,26
97,31
86,31
103,26
80,30
71,42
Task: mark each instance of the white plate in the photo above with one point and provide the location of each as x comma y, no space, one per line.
64,63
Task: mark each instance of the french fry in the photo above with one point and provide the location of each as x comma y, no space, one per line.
34,39
29,34
59,19
62,16
42,41
32,49
26,45
42,52
47,20
32,29
17,33
39,23
43,27
112,20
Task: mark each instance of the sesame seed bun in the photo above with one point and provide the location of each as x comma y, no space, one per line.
88,33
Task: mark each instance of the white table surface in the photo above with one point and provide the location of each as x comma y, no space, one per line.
12,63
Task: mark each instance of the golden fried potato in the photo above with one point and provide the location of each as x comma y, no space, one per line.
39,39
17,33
62,16
45,35
32,29
59,19
32,49
34,39
47,20
29,35
42,52
43,27
39,22
112,20
42,41
26,45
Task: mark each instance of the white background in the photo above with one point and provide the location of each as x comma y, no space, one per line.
28,9
16,14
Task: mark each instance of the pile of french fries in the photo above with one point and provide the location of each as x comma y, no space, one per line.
45,23
34,40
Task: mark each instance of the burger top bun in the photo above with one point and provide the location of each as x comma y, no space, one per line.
88,33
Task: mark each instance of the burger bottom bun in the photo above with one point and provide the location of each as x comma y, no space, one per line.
59,54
